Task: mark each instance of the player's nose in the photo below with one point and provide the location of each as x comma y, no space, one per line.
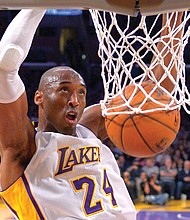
73,101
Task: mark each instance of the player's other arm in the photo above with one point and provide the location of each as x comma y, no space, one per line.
16,132
165,53
92,118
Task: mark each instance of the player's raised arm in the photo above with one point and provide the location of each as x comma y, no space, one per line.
16,131
167,48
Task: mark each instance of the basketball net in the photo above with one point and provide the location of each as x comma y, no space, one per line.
126,47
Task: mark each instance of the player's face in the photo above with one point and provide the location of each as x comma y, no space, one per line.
64,99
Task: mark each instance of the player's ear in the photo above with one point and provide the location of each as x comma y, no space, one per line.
38,97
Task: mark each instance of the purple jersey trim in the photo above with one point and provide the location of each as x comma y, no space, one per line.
12,210
32,198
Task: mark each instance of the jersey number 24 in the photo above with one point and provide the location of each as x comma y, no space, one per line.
87,183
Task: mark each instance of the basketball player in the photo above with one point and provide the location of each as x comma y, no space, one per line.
61,170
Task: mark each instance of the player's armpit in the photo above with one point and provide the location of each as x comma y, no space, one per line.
17,139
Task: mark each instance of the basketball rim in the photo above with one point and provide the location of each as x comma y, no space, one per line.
127,7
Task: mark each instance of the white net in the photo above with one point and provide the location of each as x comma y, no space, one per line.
134,49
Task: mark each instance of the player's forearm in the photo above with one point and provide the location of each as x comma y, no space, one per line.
14,47
167,49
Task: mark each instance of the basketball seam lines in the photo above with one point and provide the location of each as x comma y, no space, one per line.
158,122
131,117
141,136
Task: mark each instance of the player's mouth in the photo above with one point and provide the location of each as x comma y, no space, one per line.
71,117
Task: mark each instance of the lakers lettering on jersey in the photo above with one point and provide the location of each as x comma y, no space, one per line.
70,178
70,158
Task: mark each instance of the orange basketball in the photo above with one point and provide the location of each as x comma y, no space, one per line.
144,134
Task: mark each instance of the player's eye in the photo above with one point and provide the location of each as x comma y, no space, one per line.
82,92
64,89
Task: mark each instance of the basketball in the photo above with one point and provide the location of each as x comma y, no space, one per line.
143,134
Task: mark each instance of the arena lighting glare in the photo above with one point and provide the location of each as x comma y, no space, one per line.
64,12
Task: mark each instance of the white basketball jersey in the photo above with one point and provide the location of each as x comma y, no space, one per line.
70,178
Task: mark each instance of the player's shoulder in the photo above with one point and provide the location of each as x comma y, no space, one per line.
84,132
